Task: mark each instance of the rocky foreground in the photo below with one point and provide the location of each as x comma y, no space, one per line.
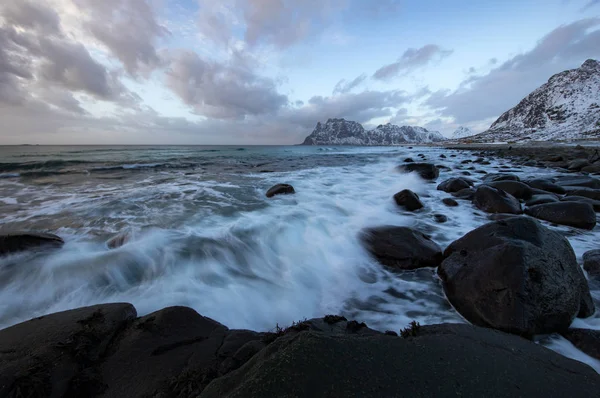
513,279
107,351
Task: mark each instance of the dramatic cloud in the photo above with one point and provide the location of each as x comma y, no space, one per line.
412,59
222,91
128,28
344,86
481,97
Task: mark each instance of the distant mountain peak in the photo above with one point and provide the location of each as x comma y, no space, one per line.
462,132
345,132
567,107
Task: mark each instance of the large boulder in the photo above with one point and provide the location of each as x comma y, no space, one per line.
541,199
515,188
517,276
493,177
22,241
591,262
574,214
280,189
494,200
595,203
408,200
578,164
585,192
437,361
578,181
545,185
454,185
466,194
427,171
401,247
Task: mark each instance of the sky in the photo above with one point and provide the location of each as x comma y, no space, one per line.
255,72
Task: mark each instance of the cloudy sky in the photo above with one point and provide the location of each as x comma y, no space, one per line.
266,71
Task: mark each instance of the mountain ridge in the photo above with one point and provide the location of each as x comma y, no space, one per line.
339,131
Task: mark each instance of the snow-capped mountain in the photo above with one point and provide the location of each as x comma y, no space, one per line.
567,107
344,132
462,132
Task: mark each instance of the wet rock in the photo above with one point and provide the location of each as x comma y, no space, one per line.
493,177
592,169
541,199
427,171
408,160
465,173
463,360
466,194
408,200
578,164
515,188
440,218
517,276
58,355
591,262
574,214
579,181
442,156
119,240
494,200
586,340
280,189
454,185
586,192
501,216
22,241
546,185
401,247
595,203
450,202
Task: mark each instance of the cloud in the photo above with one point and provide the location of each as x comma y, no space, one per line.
412,59
481,97
128,28
281,23
343,86
590,4
222,91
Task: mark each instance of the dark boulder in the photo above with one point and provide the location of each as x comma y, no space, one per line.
454,185
493,177
578,181
450,202
22,241
517,276
466,194
408,200
595,203
408,160
585,192
442,156
494,200
280,189
427,171
401,247
515,188
586,340
592,169
462,360
546,185
541,199
574,214
591,262
578,164
440,218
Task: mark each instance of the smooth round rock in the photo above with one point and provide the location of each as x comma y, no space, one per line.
574,214
494,200
408,200
280,189
23,241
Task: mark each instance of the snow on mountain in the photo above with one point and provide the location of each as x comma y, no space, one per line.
462,132
344,132
567,107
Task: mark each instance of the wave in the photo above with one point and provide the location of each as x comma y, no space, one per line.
49,164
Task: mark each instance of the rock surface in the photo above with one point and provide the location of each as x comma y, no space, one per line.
427,171
591,262
22,241
280,189
586,340
401,247
494,200
517,276
453,185
515,188
408,200
574,214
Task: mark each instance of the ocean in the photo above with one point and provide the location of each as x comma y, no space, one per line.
203,234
